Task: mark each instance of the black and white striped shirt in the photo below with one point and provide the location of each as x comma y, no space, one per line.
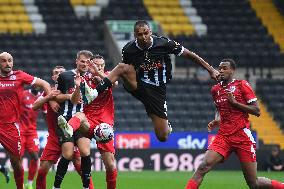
153,65
67,86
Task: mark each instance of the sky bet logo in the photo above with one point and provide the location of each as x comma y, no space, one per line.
132,141
192,143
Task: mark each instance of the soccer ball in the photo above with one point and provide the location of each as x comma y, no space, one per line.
103,133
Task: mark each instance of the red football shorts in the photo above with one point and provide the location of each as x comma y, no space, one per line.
10,138
52,150
107,147
29,142
241,142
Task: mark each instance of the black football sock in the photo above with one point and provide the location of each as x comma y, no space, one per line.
104,84
61,171
86,170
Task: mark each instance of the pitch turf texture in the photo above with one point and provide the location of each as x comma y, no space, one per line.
154,180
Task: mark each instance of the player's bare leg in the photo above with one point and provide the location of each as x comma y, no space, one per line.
33,167
42,172
111,171
78,121
18,170
210,159
254,182
125,71
161,127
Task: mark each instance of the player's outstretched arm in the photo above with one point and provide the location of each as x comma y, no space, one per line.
191,55
43,84
42,100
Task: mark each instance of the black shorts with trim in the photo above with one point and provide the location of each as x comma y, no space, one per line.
62,139
152,97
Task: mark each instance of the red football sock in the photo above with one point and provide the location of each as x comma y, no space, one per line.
75,123
32,169
41,179
19,178
276,185
78,169
191,184
91,186
111,179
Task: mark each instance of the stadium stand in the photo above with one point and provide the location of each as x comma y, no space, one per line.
188,107
234,31
271,129
230,28
171,16
280,6
271,18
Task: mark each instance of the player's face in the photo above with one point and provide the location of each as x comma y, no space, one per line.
225,70
81,63
143,35
56,73
100,63
6,63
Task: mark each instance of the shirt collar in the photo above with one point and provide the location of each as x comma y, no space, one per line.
11,72
152,41
227,84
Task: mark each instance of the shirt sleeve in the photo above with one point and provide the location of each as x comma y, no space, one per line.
248,92
174,47
27,78
125,57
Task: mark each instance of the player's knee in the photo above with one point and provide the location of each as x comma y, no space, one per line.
162,138
122,68
68,155
110,167
84,152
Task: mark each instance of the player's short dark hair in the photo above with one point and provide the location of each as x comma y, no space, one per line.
231,61
98,56
141,23
86,53
57,67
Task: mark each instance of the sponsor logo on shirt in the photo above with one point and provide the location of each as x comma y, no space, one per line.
151,66
7,84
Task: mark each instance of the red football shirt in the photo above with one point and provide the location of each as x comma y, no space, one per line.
51,119
102,108
28,116
11,91
232,119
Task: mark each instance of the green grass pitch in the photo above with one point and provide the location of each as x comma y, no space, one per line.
154,180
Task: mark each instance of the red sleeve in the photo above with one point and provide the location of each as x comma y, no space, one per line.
248,92
27,78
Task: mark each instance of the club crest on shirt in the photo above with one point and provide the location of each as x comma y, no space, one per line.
232,89
12,77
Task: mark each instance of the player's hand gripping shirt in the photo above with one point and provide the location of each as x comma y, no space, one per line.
232,119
